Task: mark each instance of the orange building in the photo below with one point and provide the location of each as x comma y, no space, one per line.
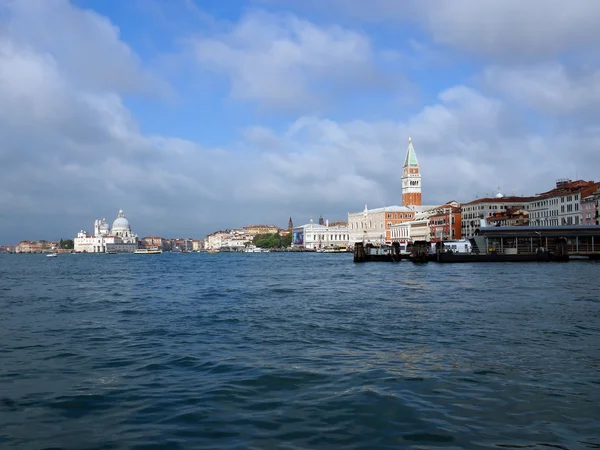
411,178
446,222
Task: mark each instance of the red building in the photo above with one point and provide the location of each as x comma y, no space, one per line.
446,222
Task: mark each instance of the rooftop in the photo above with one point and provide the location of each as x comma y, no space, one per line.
510,199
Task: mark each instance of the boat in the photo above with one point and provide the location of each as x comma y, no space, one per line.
51,255
148,251
212,252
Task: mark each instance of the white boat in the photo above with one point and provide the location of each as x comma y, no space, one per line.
51,255
148,251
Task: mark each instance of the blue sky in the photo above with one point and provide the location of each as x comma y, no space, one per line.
194,116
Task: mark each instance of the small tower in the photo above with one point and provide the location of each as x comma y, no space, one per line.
321,221
411,178
290,224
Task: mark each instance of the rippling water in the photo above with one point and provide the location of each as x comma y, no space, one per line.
291,351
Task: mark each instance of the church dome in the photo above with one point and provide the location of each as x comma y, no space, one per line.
120,224
499,195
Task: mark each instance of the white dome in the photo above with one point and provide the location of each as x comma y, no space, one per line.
120,223
499,195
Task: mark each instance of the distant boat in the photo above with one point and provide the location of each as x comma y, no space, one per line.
212,252
51,255
148,251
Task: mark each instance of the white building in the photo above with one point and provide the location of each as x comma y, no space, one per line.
482,208
375,225
119,239
561,205
413,230
313,236
216,240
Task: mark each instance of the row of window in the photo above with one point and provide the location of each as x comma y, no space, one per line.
326,237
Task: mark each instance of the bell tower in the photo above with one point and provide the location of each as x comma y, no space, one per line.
411,178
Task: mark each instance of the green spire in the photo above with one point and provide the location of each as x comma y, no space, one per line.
411,157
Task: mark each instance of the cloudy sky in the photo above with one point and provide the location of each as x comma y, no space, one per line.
194,116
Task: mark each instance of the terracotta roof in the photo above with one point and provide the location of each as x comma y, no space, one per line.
569,187
510,199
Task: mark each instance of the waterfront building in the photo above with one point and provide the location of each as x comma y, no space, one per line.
588,209
416,229
197,245
154,241
254,230
314,236
214,240
36,246
374,225
482,208
509,218
445,222
118,239
561,205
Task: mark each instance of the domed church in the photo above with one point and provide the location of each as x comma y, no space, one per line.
118,239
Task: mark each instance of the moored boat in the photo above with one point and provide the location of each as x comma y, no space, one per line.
148,251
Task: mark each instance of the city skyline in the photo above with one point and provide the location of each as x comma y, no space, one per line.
199,116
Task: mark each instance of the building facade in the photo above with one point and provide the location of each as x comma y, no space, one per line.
561,205
445,222
411,178
119,238
375,225
314,236
254,230
509,218
416,229
482,208
36,247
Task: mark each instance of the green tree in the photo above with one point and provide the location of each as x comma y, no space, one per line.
67,244
286,240
270,240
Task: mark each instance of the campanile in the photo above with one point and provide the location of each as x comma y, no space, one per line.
411,178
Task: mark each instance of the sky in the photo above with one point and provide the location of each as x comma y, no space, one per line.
199,115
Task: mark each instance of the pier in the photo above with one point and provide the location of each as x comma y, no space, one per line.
499,244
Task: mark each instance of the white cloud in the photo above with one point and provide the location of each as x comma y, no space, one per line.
288,63
85,44
513,29
549,88
506,30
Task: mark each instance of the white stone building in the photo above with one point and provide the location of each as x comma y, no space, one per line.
313,236
482,208
215,240
375,225
413,230
119,239
561,205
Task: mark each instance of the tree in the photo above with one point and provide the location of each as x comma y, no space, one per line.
67,244
286,240
272,240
